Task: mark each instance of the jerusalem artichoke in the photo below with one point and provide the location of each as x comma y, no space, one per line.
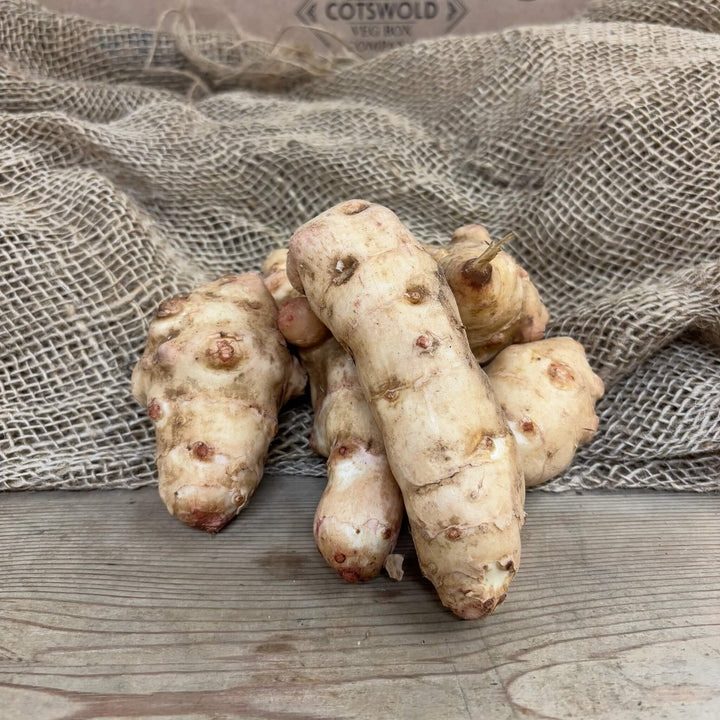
499,305
447,442
359,515
213,376
548,393
358,518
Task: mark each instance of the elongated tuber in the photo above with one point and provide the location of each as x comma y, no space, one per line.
548,392
213,376
446,439
359,515
499,305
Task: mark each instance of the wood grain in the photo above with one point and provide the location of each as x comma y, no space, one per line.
109,608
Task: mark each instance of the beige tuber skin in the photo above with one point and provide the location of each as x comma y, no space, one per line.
358,519
499,305
447,442
276,279
359,515
548,392
213,376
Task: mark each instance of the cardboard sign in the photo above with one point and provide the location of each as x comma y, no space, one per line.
372,26
366,26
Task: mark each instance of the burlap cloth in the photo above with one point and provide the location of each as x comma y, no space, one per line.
135,165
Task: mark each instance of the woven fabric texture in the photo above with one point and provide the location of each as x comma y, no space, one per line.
134,166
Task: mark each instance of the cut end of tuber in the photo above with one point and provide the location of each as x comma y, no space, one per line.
353,207
475,273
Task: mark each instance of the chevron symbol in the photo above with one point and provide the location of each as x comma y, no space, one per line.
456,11
306,12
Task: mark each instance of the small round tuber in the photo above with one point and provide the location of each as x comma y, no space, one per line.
499,305
548,392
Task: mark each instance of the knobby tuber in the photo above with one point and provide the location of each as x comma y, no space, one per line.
499,305
213,376
359,515
447,442
548,392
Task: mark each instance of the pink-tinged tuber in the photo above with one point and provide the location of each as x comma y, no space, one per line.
359,515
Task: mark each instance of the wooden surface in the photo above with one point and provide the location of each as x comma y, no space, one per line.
109,608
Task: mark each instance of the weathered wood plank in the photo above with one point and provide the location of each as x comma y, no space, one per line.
109,608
